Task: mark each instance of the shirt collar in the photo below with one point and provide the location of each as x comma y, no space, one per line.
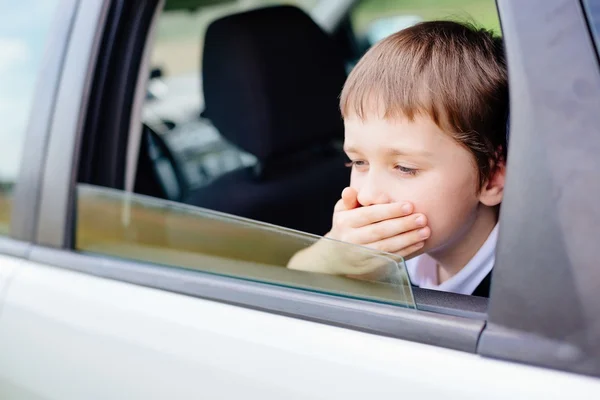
423,270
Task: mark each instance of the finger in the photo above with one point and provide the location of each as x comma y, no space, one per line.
401,243
350,198
339,206
386,229
363,216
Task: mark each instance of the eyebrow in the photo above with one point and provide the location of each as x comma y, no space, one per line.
412,152
394,152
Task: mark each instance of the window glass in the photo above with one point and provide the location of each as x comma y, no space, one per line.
24,28
141,228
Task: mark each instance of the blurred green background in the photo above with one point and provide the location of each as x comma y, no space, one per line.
481,12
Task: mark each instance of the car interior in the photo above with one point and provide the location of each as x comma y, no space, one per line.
275,97
282,90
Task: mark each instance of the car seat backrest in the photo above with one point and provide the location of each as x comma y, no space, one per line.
272,80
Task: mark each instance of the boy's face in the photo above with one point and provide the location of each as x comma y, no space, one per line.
399,160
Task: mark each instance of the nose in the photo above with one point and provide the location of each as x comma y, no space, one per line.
372,192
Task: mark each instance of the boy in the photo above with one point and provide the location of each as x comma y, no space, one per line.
425,114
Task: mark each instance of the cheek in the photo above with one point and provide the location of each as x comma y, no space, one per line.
449,202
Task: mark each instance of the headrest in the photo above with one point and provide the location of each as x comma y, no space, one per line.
272,80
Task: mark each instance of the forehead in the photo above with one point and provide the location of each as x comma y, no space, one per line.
420,134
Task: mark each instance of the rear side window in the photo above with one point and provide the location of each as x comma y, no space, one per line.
240,162
24,27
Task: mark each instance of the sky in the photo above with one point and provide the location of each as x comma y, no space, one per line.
24,29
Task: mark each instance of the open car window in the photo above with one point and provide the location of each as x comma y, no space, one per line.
242,174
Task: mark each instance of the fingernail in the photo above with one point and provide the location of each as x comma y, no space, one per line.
420,220
406,207
424,233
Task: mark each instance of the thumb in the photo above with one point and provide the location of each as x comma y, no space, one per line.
350,198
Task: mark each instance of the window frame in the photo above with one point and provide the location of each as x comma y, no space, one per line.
462,333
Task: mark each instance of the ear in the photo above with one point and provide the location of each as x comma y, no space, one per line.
493,189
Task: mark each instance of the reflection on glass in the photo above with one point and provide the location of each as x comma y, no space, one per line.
142,228
24,28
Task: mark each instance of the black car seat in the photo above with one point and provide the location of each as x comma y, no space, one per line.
272,80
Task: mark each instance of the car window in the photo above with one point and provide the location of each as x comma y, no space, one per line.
24,27
240,162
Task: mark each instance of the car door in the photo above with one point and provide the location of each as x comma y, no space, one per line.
108,294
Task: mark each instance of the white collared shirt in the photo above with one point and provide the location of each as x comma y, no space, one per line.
423,269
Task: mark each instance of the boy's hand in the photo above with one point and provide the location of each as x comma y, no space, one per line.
389,228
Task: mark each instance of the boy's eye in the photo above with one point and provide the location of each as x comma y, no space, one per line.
406,170
357,163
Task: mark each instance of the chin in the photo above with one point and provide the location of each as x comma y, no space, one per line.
436,245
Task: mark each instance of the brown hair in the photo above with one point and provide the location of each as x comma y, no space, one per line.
452,72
